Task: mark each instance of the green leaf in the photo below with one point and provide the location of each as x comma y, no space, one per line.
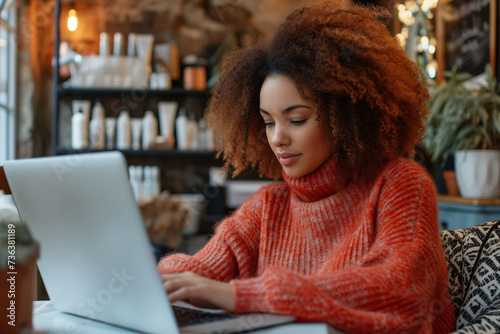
496,120
460,118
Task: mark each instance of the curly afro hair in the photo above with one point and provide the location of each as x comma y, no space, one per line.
369,92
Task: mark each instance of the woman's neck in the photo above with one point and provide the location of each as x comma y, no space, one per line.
320,183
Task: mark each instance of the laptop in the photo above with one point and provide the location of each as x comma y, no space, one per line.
96,259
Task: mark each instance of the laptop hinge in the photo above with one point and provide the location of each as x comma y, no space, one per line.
4,185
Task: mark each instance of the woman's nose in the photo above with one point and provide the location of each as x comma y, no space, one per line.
279,136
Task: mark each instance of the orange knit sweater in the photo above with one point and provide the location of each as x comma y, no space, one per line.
361,260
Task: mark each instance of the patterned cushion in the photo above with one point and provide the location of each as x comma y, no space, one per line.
477,306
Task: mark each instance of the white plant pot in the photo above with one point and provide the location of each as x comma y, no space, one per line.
478,173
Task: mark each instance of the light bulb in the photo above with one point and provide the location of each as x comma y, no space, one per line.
431,72
431,69
72,20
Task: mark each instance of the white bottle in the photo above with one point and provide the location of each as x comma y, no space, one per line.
97,128
202,135
149,129
135,176
155,179
117,44
192,133
131,45
181,124
146,183
132,180
139,181
136,130
104,44
110,123
209,137
79,130
151,181
123,135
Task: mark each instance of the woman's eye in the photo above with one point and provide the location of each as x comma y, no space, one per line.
298,122
269,124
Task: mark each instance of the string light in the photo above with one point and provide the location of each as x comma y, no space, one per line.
416,36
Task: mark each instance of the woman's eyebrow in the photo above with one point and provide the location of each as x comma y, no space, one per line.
263,111
287,109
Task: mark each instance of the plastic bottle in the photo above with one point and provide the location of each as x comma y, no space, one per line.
181,124
209,137
132,180
149,129
140,181
136,130
123,131
97,127
192,133
202,135
155,179
131,45
110,123
146,186
135,176
104,44
118,44
79,130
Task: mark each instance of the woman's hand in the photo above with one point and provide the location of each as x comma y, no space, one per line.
199,291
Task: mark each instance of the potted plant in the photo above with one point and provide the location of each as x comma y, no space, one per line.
18,254
465,122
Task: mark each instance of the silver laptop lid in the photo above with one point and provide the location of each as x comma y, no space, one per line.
95,259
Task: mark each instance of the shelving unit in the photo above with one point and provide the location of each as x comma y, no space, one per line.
143,97
136,100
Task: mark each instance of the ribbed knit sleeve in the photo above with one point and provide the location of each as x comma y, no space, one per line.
398,285
233,249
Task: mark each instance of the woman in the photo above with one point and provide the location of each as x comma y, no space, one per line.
334,106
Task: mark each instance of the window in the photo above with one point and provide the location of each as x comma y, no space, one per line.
7,84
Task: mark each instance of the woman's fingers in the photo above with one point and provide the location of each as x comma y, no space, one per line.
198,290
173,282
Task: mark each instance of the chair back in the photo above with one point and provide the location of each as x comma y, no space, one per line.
473,261
4,185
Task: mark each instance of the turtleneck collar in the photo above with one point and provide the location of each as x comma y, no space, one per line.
320,183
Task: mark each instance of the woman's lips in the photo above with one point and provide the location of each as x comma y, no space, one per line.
287,159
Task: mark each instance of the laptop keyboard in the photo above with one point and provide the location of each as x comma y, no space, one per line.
186,316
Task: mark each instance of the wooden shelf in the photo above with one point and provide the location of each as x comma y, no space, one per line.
468,201
145,153
140,92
